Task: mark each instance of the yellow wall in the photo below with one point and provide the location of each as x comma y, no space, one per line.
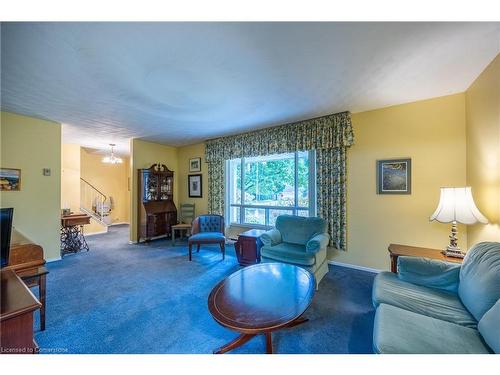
111,180
32,144
432,134
70,177
483,151
186,153
142,155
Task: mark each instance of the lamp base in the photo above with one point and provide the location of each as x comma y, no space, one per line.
452,251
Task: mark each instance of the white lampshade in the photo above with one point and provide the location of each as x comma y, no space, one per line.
456,204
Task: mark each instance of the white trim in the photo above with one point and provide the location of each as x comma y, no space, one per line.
347,265
94,233
120,223
53,259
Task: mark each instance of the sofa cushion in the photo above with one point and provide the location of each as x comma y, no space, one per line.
431,273
291,253
479,287
489,327
207,236
439,304
298,230
398,331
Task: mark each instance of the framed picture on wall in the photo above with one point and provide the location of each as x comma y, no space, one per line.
10,179
195,165
195,186
394,176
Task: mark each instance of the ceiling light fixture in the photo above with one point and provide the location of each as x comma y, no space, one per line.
112,159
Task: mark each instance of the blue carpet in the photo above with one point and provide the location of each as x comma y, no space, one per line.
122,298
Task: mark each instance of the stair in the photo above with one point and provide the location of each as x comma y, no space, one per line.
94,203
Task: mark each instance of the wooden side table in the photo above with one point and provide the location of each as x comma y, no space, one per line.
396,250
37,277
248,247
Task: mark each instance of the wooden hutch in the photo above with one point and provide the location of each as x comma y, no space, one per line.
156,208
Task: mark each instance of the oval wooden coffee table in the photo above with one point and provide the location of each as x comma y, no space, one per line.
260,299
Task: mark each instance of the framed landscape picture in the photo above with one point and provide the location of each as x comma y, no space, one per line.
10,179
195,186
195,165
394,176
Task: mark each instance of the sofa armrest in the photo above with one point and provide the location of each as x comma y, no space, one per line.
271,237
318,242
429,272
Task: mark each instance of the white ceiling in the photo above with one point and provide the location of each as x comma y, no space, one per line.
180,83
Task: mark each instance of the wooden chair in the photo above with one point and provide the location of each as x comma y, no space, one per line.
207,229
185,220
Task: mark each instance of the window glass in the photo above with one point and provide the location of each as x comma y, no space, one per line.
255,216
268,186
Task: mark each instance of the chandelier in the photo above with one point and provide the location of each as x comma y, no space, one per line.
112,159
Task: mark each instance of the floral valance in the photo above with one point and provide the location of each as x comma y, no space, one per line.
325,132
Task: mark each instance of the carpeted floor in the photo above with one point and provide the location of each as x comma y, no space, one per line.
122,298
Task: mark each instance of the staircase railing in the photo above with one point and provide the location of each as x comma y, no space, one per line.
92,201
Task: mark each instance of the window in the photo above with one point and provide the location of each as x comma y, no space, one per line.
262,188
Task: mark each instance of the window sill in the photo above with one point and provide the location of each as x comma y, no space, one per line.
249,226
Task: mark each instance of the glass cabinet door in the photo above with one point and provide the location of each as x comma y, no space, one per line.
150,186
164,189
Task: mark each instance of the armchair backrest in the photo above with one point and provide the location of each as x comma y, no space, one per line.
208,223
479,287
298,230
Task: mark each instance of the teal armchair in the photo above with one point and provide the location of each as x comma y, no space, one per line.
297,240
432,306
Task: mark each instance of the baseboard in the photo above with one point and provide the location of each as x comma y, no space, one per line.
353,266
93,234
53,259
121,223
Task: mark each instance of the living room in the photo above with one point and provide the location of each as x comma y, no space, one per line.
251,187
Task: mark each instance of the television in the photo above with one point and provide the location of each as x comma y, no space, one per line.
5,233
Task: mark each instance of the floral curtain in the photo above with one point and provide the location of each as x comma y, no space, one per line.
329,135
216,183
331,193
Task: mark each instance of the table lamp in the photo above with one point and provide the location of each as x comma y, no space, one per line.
457,206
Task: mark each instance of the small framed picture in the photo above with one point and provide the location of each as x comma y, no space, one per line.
195,165
394,176
10,179
195,186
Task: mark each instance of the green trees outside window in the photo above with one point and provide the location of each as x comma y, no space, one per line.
258,184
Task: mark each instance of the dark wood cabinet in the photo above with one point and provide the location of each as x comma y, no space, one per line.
248,247
16,315
156,209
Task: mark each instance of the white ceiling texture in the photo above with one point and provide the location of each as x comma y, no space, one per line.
180,83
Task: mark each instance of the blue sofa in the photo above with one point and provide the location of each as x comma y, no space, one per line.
297,240
432,306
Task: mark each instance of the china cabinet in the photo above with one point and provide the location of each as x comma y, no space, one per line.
156,209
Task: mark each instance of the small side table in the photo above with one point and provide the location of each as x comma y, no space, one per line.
36,277
248,247
180,227
396,251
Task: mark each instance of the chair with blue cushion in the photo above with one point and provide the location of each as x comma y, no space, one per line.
297,240
432,306
207,229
